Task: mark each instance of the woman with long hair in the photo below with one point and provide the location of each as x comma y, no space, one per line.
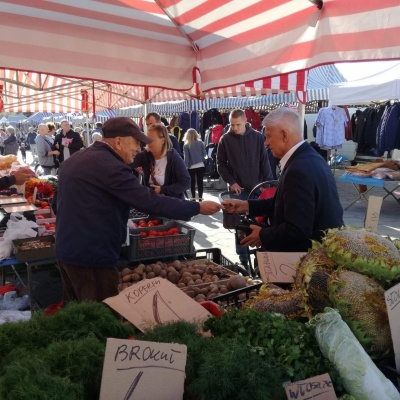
162,166
194,154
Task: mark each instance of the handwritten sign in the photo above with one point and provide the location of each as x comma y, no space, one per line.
154,301
392,298
372,215
317,388
278,267
139,370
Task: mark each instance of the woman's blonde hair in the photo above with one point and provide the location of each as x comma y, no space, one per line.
162,132
191,136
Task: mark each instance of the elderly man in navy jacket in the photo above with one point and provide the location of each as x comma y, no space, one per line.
306,202
96,189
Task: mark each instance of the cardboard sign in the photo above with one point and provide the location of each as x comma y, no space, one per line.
317,388
278,267
139,370
373,211
154,301
392,298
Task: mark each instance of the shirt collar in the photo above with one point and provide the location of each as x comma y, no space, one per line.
286,157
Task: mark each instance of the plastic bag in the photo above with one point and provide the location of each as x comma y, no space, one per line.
18,227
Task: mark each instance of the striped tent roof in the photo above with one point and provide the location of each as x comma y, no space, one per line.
199,46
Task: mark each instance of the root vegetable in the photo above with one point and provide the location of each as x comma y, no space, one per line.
126,271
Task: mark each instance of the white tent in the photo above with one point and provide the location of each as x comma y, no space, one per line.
374,89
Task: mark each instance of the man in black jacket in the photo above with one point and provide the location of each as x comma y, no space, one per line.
67,141
306,202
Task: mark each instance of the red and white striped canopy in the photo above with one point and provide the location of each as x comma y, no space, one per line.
181,44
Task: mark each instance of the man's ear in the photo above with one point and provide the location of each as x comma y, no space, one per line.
285,135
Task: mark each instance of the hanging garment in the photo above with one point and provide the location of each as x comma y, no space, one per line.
388,129
331,122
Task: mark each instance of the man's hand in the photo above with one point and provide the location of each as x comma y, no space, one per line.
235,206
156,188
22,175
54,153
236,188
252,240
209,207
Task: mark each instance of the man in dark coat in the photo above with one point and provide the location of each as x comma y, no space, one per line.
306,202
67,142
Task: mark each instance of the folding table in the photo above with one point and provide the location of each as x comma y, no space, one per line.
370,183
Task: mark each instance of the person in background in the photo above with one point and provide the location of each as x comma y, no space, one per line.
11,144
67,142
79,130
3,136
96,189
52,130
242,162
30,140
306,202
96,136
98,128
163,168
194,153
154,118
46,154
22,149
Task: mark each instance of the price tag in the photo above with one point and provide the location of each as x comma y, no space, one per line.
317,388
155,301
373,211
392,298
139,370
278,267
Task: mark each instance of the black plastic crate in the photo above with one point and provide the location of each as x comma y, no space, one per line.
151,248
215,255
232,298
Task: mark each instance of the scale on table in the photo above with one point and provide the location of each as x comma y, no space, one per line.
12,200
12,208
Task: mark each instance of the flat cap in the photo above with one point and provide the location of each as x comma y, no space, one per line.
122,127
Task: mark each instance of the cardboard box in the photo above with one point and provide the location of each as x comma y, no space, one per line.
35,253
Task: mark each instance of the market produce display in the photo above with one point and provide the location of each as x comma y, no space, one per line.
199,279
361,302
365,252
361,378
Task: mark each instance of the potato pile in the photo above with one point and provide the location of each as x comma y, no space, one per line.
208,291
187,275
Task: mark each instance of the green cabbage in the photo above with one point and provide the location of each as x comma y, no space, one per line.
361,378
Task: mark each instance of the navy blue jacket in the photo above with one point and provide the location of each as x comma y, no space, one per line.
306,203
177,178
95,193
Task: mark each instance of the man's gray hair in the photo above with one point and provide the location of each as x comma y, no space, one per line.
284,116
10,129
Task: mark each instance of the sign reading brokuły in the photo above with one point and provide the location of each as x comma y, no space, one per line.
154,301
139,370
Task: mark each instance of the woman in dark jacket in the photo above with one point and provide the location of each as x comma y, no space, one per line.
163,168
11,145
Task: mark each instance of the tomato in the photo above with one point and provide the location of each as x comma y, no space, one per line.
154,222
142,223
143,234
151,223
39,216
44,204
